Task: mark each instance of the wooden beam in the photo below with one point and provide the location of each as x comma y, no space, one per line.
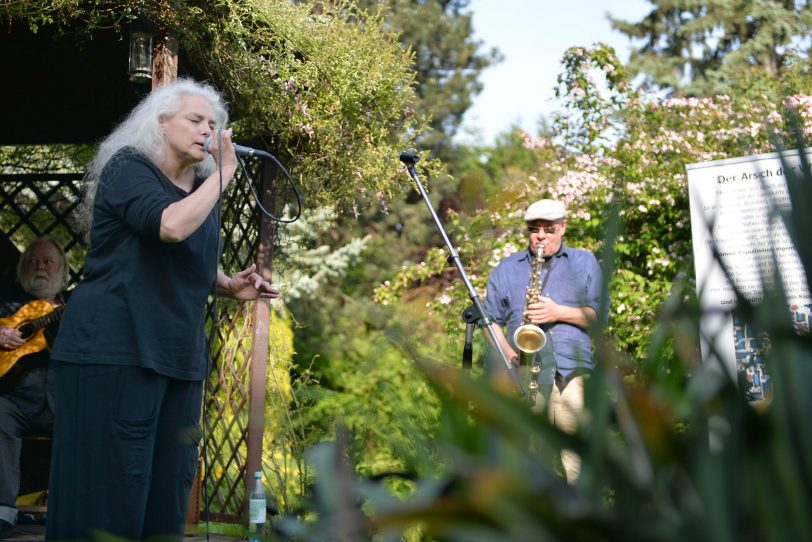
261,343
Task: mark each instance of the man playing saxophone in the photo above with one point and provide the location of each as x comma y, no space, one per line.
569,288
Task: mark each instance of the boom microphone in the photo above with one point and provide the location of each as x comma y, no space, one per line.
239,149
409,158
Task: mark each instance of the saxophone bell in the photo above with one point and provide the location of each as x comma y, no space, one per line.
529,339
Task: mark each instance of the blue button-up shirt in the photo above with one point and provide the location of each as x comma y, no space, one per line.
575,281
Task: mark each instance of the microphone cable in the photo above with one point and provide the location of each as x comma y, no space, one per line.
215,297
247,151
288,177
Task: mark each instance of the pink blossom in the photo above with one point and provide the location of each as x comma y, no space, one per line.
535,143
384,206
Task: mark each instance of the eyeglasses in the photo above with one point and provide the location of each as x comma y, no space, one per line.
547,229
34,261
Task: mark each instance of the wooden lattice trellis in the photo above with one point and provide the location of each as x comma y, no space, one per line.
46,203
34,204
227,408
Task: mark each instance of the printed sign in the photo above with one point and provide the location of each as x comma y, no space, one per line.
736,207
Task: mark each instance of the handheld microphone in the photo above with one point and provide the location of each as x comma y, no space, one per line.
239,149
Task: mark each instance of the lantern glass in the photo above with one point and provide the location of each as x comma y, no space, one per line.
140,57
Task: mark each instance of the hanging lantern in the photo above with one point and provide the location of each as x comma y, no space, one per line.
140,56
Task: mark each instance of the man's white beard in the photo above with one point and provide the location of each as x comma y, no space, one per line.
41,287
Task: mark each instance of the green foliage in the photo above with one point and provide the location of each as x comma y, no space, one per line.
661,462
44,158
368,383
621,149
284,439
324,91
347,370
307,262
591,110
319,83
39,207
446,61
716,46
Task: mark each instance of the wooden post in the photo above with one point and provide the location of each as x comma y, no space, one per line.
261,343
193,502
164,61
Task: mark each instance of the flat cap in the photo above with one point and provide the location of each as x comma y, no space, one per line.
545,209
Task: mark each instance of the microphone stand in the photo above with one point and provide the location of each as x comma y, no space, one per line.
468,349
475,314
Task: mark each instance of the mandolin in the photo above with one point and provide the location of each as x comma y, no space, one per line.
31,320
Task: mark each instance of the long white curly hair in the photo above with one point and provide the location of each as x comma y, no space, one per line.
141,129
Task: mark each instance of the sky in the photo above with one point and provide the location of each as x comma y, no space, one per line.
532,36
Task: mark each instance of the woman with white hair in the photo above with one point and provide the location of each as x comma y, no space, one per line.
132,346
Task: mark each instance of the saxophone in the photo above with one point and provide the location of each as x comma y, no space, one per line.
530,338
